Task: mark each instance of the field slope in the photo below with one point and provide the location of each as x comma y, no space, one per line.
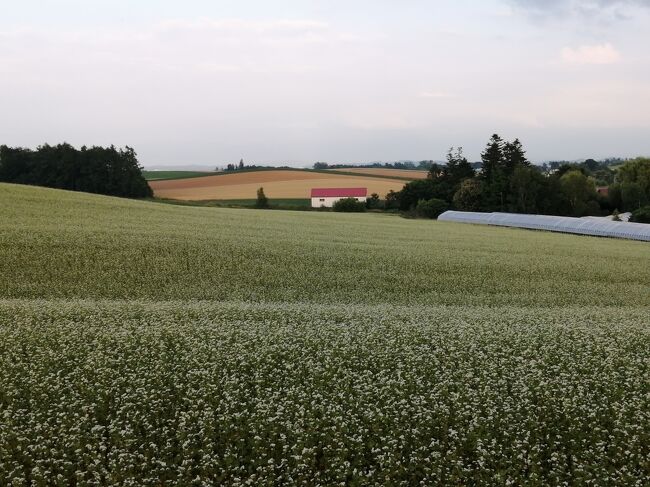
408,174
281,183
149,344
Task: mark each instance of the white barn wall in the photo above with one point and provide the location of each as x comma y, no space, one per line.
328,201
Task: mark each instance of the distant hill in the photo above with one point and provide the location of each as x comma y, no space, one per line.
158,175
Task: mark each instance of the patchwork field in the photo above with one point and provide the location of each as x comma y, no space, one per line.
152,344
277,184
408,174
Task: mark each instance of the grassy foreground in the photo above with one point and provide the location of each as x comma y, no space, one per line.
148,344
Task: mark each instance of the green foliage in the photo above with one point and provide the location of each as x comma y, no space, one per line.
414,191
96,170
527,190
500,160
262,201
636,171
641,215
579,190
442,182
349,205
469,196
508,182
392,200
374,203
431,208
633,196
492,159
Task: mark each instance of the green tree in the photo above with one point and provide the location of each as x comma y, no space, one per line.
373,202
458,168
492,159
109,170
514,156
614,196
392,200
262,201
633,196
469,196
641,215
526,189
636,171
414,191
579,190
431,208
494,174
349,205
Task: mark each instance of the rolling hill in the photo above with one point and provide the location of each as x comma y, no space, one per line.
151,344
279,184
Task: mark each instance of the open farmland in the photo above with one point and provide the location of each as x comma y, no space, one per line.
277,184
159,175
408,174
150,344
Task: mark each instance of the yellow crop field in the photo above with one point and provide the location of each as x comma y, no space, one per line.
277,184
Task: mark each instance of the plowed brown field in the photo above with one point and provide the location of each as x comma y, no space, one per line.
276,184
378,171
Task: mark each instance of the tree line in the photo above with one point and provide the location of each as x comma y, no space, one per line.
421,165
101,170
507,182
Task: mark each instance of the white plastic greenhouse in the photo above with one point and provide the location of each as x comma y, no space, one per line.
583,226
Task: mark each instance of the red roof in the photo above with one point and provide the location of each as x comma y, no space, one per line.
339,192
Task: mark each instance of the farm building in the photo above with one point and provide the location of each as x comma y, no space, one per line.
328,196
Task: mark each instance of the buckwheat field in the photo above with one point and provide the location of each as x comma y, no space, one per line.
149,344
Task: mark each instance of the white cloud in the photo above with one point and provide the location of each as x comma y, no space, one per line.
594,54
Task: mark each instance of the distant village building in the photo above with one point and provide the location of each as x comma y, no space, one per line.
328,196
602,190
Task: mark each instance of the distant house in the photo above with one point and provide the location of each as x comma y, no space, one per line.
328,196
602,190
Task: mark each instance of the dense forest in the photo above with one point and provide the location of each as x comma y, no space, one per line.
108,171
506,181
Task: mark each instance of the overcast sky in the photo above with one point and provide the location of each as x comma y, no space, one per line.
298,81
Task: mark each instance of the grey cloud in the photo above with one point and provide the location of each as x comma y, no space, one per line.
601,10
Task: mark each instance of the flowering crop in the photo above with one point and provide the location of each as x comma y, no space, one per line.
56,244
152,393
399,371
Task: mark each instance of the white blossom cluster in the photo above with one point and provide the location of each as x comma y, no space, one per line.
200,393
